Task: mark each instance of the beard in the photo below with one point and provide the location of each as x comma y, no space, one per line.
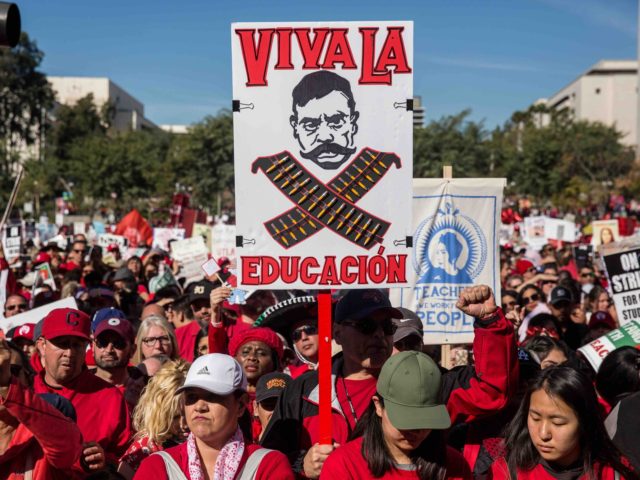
107,363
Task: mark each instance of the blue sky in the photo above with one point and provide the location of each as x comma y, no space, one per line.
493,56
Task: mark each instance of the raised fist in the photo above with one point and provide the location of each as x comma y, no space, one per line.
477,301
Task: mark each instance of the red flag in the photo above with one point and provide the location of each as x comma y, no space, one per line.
135,229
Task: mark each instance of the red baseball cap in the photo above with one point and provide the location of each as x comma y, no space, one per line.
523,265
118,325
24,331
66,321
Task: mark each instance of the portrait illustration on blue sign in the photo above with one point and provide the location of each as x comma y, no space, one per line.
450,248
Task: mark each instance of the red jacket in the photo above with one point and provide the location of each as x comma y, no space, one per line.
12,286
52,441
101,410
186,337
499,471
468,392
348,463
273,466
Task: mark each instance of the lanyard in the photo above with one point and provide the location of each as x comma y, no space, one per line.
353,410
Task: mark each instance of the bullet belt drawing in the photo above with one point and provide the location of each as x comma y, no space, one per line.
331,205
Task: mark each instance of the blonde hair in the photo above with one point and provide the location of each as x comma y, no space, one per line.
158,405
143,331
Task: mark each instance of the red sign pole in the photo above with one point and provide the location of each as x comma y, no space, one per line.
324,365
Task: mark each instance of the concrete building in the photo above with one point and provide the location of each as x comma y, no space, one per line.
176,129
418,112
607,93
129,111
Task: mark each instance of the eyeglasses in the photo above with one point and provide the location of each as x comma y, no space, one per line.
533,298
509,304
118,343
20,306
306,329
151,341
532,270
369,327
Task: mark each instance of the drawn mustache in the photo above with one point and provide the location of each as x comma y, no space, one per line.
327,148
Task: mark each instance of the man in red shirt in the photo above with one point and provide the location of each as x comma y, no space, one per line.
201,308
100,407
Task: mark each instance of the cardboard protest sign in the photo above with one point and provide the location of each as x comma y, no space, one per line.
106,239
623,270
604,232
456,224
323,133
534,231
44,276
558,229
12,241
205,231
626,336
163,279
37,314
191,253
162,237
223,241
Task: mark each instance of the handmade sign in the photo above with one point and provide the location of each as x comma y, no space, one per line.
456,225
223,241
323,153
163,236
106,239
627,335
191,253
605,232
623,270
12,241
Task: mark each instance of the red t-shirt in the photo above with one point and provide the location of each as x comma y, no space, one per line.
186,337
273,466
347,463
100,408
359,392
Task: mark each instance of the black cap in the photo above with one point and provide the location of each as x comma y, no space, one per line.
359,304
200,290
124,274
560,294
409,324
271,385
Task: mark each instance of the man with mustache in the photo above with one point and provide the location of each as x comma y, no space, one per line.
324,119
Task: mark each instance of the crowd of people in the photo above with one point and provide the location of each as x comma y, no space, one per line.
180,381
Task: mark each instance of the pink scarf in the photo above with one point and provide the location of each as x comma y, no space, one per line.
228,461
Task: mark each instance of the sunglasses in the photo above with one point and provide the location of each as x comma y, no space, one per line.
118,343
587,274
509,304
306,329
369,327
77,251
533,298
11,308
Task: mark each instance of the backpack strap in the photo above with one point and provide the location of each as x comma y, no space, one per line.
173,470
250,468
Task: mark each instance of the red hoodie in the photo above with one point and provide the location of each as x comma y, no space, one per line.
51,441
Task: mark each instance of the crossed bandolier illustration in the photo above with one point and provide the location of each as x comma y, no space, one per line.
331,205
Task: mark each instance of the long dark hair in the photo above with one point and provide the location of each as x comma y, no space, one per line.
575,389
429,458
619,374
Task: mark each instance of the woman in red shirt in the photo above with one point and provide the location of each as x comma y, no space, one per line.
557,433
401,433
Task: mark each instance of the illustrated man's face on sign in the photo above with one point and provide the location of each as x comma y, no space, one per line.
324,119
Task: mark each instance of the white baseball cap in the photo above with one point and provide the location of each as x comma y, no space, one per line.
216,373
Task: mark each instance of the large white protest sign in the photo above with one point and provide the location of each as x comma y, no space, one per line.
456,224
626,336
37,314
623,270
323,153
223,241
191,253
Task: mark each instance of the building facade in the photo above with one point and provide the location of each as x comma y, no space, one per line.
606,93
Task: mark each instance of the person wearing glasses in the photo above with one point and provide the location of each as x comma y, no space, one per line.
14,305
296,319
364,328
532,302
113,348
100,407
155,337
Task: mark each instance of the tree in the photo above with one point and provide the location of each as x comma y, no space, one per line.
451,140
203,159
25,97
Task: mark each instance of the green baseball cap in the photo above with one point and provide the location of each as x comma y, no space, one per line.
409,383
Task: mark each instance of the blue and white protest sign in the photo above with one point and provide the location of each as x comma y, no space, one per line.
456,227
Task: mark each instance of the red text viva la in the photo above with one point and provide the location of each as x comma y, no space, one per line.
329,47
